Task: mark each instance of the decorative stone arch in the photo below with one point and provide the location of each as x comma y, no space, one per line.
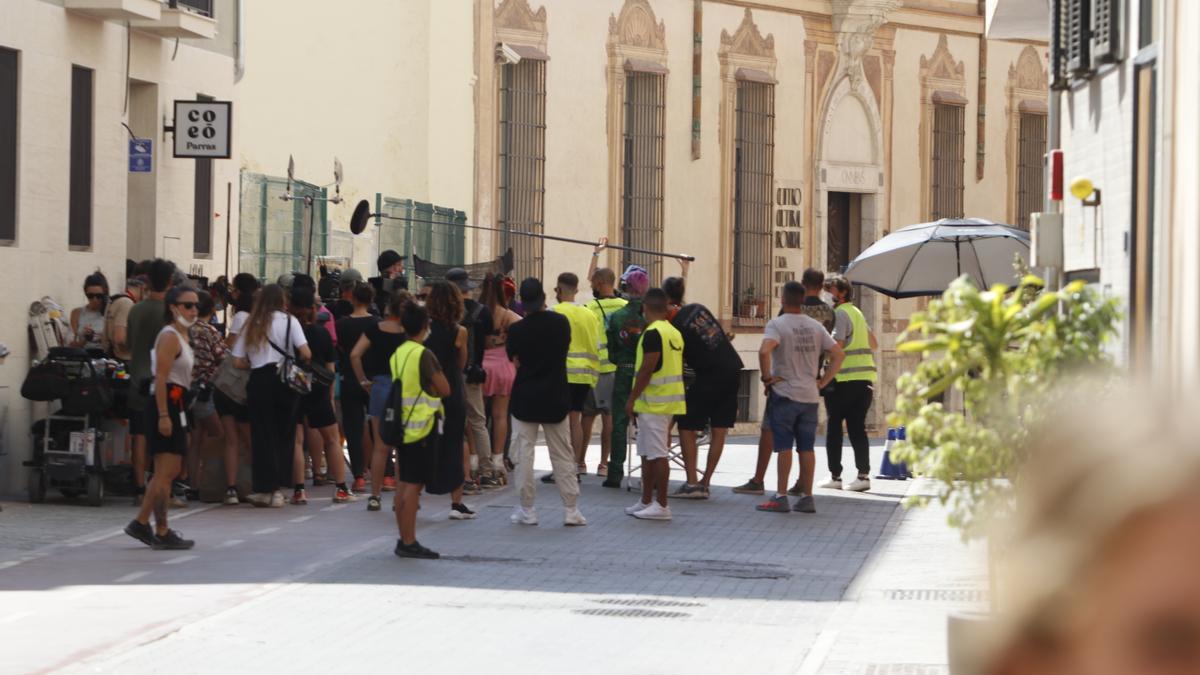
854,171
637,41
746,55
943,81
1025,92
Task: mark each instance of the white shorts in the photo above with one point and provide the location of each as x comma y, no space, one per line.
653,435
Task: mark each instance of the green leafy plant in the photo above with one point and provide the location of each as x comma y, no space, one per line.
1008,353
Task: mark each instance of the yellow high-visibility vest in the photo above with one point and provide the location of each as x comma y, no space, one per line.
583,356
419,411
859,365
602,308
665,394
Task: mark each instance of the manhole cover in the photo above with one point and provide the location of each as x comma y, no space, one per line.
733,570
645,602
937,595
632,613
489,559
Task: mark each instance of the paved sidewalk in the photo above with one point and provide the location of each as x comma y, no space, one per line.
857,588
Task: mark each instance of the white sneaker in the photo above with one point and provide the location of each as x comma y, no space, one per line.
633,510
260,499
524,516
835,484
860,484
654,512
231,497
277,500
574,518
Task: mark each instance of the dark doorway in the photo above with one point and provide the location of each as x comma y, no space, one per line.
844,224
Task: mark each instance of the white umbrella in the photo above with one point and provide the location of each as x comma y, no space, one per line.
922,260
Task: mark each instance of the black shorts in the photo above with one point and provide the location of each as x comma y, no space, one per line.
416,462
579,396
226,407
712,401
137,422
177,442
317,410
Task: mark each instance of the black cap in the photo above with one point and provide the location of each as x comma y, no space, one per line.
388,258
532,294
459,277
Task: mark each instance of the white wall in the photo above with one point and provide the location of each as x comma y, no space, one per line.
50,40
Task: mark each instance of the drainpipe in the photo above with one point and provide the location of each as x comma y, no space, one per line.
239,43
981,118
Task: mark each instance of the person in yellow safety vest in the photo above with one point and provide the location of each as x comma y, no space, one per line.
423,385
603,305
657,397
583,358
853,389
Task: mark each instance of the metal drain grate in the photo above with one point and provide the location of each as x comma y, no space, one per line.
632,613
490,559
937,595
645,602
732,569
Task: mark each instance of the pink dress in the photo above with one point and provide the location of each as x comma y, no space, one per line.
500,371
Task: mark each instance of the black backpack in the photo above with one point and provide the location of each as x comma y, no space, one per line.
473,372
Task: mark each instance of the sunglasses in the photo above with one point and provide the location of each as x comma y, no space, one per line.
95,296
187,305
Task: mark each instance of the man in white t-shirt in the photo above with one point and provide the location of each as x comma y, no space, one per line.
790,362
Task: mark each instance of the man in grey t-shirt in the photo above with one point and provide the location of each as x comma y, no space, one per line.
790,362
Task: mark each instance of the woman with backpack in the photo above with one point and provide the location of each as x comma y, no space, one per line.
369,359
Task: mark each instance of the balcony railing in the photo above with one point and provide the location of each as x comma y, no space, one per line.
202,7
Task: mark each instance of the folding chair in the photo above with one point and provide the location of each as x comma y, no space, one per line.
674,454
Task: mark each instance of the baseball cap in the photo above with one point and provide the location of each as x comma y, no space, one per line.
387,259
459,277
286,280
351,275
637,281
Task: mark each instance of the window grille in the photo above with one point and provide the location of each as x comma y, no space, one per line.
747,385
642,170
754,161
1031,151
946,165
521,188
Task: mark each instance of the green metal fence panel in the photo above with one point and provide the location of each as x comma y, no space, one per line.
274,233
433,233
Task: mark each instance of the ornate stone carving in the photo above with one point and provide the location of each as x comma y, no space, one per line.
518,15
637,27
747,41
941,64
1028,73
854,24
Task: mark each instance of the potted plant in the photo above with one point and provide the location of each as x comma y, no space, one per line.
751,304
1008,353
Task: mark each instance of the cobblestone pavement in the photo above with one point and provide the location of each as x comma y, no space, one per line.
860,587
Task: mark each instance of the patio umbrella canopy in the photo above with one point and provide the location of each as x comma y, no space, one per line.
922,260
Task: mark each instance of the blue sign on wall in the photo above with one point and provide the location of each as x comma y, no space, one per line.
141,155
